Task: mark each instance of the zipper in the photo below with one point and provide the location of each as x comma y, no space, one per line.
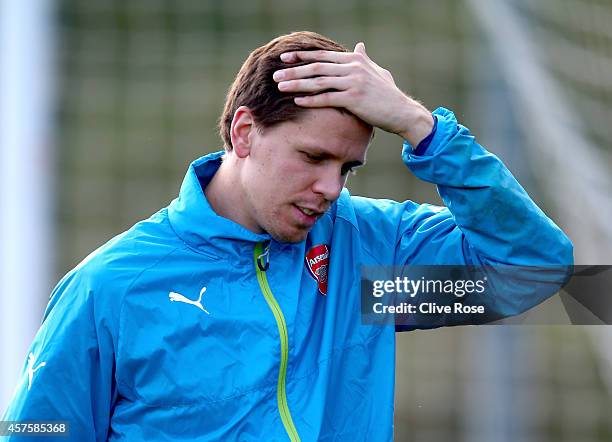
262,262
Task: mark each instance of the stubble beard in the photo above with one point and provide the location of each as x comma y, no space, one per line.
286,235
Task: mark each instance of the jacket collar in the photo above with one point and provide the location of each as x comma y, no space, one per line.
196,223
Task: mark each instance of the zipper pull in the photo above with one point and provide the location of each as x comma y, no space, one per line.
263,260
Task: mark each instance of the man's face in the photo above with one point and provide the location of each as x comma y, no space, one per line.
296,169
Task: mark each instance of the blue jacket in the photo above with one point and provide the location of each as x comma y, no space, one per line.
187,327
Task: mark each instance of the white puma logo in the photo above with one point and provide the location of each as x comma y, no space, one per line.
180,298
31,369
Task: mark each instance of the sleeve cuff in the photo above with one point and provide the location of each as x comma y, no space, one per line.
425,142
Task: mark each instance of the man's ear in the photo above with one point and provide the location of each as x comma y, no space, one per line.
242,131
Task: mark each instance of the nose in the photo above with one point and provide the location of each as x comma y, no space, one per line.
329,183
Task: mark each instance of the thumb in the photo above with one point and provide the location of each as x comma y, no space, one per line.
360,48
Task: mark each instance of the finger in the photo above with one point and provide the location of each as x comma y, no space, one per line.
360,49
312,70
318,55
315,84
326,99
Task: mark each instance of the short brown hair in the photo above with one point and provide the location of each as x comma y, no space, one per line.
255,88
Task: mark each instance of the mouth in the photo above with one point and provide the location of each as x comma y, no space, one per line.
307,215
309,212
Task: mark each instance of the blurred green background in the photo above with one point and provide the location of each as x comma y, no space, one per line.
142,83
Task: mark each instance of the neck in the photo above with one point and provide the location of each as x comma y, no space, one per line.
224,193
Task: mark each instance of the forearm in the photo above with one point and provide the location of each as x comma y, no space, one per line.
416,122
500,222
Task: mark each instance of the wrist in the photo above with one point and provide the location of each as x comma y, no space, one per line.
419,123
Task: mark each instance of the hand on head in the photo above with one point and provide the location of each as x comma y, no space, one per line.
352,80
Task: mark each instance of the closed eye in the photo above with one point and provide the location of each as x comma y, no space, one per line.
313,158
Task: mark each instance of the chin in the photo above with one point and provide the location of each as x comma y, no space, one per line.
289,237
283,229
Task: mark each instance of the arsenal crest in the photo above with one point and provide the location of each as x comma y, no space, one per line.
317,261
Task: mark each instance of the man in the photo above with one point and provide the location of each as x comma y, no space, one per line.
234,313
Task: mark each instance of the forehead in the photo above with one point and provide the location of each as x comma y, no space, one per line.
330,130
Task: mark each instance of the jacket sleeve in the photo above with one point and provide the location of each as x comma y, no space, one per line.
489,220
68,374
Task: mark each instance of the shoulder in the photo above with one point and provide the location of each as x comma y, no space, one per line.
377,214
383,224
109,271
